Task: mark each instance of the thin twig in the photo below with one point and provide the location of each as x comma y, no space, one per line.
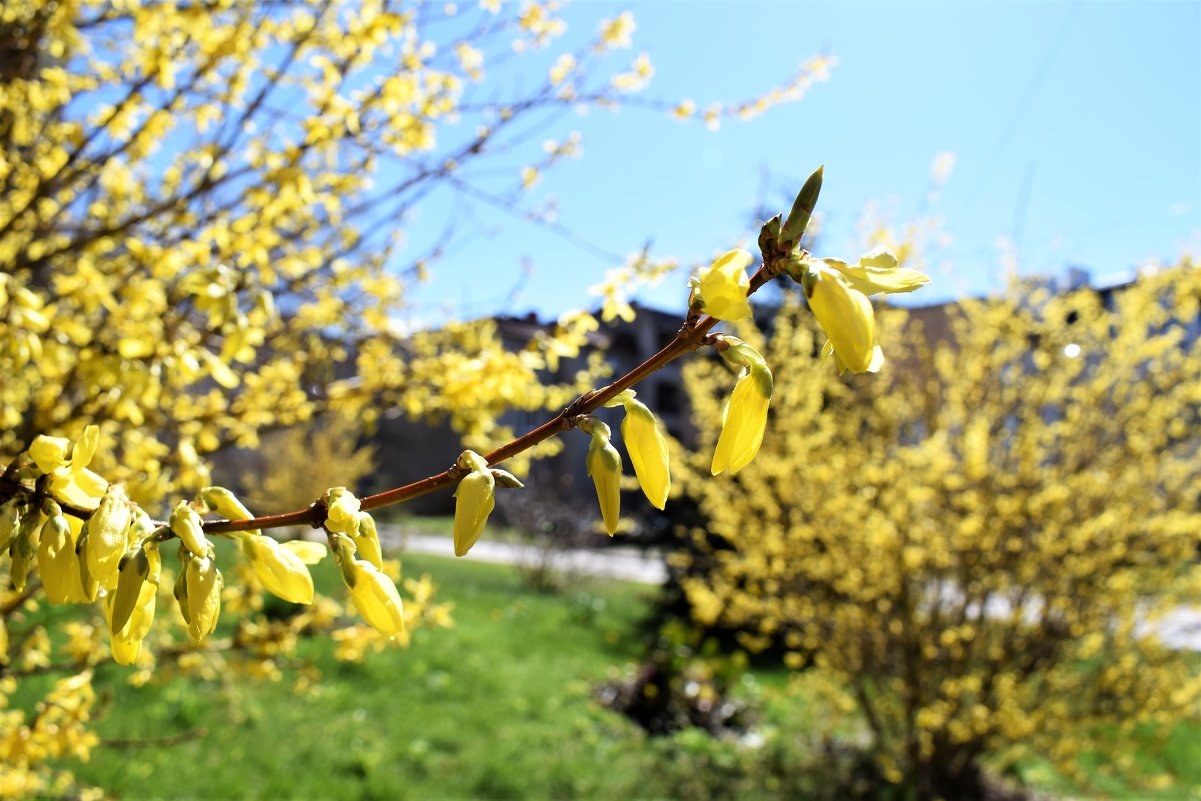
165,741
692,335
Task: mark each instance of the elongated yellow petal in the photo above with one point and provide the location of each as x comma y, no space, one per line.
724,285
308,552
49,453
743,421
78,485
648,452
85,447
845,315
878,271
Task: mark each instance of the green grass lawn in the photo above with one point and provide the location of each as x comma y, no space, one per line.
499,707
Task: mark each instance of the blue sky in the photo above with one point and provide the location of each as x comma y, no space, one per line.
1076,129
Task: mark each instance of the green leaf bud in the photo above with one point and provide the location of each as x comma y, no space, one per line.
802,209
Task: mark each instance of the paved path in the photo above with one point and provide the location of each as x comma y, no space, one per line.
1180,628
630,564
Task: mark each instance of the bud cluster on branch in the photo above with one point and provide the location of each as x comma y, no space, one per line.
91,543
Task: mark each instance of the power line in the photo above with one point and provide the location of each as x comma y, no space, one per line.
1028,94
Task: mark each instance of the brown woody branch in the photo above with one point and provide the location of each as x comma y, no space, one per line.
692,335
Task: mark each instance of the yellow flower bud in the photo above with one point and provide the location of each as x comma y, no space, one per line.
106,534
724,285
647,447
280,570
506,479
224,502
604,465
180,590
475,497
744,417
24,546
135,567
366,540
186,524
342,510
375,597
845,315
126,642
10,517
85,591
56,557
204,597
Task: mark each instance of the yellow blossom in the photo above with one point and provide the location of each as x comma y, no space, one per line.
562,68
744,417
529,177
604,466
724,285
71,480
616,32
846,316
475,498
684,110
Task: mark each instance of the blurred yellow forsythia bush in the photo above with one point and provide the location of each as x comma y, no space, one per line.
976,543
200,212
